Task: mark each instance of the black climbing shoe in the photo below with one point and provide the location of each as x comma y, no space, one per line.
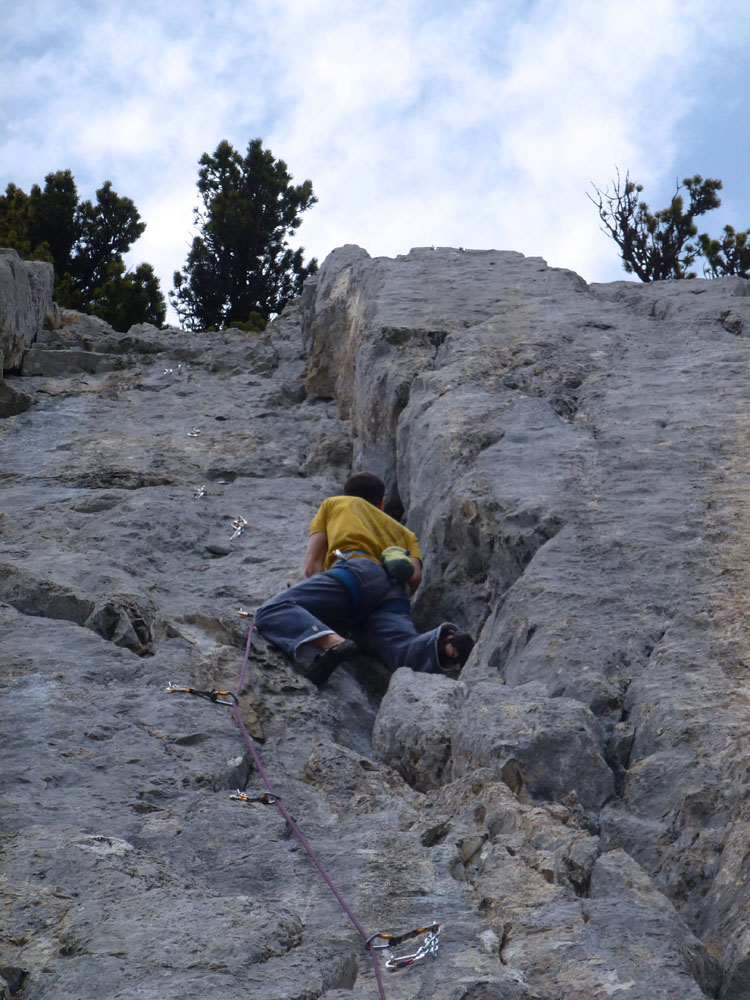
326,662
462,643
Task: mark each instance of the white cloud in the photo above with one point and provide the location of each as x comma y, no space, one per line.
477,123
499,149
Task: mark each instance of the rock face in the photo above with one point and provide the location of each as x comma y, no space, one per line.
25,303
574,810
25,306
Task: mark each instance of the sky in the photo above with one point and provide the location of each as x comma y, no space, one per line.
480,124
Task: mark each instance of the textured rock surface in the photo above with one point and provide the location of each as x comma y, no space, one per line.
413,729
549,746
25,303
575,462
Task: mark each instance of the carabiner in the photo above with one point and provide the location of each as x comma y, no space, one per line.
265,799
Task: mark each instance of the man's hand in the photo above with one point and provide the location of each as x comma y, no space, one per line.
317,550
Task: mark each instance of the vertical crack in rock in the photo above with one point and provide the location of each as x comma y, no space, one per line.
574,462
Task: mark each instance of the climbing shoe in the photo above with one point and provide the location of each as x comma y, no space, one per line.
462,644
326,662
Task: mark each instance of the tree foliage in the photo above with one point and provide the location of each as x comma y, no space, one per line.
656,245
240,268
730,255
125,298
85,242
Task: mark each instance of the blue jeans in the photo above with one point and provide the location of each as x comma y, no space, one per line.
360,596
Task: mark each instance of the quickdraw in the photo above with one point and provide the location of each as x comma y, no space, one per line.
429,946
217,697
265,799
239,524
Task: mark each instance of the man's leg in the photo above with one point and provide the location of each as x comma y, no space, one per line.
390,631
304,616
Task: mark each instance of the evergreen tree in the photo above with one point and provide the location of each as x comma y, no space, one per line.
52,218
105,231
126,298
85,243
730,255
240,269
656,245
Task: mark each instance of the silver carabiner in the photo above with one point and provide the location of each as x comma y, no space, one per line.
429,947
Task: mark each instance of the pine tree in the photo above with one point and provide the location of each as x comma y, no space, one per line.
730,255
240,269
656,245
85,243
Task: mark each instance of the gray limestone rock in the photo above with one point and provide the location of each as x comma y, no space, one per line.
13,402
413,727
549,747
574,460
617,878
25,303
39,360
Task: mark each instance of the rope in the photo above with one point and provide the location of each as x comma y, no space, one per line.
369,940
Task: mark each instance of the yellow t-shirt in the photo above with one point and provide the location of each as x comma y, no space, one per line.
353,524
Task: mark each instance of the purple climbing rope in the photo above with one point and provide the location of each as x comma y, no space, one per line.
368,939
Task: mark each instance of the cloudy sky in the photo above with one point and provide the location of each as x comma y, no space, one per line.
474,123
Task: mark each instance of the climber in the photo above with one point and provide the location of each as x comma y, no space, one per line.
361,566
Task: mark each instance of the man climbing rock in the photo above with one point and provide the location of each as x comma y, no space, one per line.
361,567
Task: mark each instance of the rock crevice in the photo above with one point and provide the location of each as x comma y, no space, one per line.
574,461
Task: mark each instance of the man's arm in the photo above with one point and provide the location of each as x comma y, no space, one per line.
317,550
416,577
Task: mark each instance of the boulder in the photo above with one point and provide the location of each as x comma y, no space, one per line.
412,730
25,303
12,401
549,747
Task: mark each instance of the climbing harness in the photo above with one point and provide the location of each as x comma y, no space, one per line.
217,697
270,797
346,575
429,946
353,587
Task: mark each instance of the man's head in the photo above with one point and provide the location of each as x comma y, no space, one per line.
367,486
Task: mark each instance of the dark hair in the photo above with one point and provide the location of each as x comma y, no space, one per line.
367,486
